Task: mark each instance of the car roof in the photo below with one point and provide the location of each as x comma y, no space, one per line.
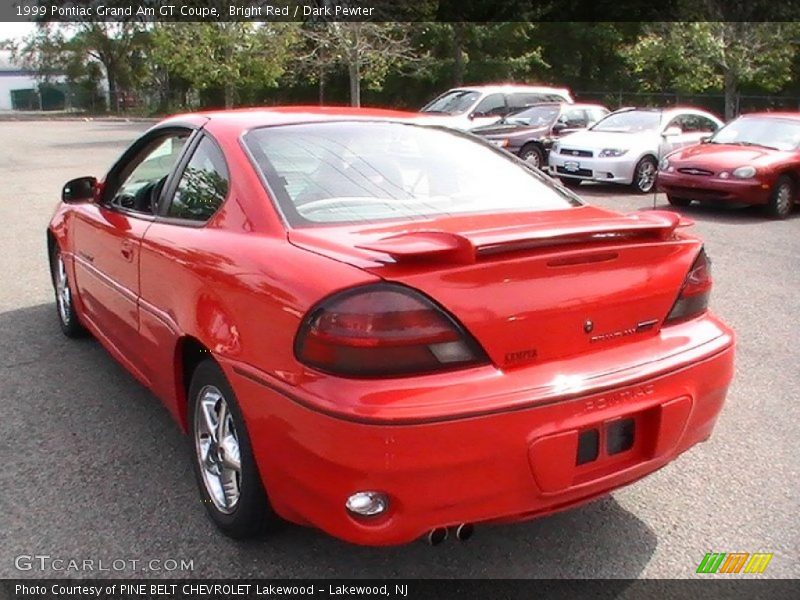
508,88
249,118
668,111
777,114
564,103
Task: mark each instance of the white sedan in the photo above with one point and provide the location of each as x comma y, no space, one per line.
627,145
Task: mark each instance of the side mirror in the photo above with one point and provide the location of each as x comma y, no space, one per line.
559,127
705,139
672,131
79,190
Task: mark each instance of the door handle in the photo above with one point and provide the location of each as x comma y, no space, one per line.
127,251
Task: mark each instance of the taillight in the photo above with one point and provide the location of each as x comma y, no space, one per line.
693,299
383,330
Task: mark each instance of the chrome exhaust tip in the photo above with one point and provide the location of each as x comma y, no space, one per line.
437,536
464,531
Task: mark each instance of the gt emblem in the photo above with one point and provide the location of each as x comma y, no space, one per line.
588,326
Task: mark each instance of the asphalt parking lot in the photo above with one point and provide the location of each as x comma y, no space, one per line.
93,467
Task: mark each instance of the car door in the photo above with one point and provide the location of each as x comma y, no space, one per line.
571,120
488,110
693,128
108,237
177,254
696,127
671,135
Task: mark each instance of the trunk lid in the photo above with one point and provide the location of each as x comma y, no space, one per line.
530,287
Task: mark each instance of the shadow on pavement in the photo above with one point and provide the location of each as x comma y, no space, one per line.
101,471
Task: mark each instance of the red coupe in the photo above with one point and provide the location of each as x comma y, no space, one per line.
752,160
386,330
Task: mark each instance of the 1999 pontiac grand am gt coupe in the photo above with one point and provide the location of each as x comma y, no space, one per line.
385,330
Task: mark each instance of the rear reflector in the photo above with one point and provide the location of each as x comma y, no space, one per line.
693,299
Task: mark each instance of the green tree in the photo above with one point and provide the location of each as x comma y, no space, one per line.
704,55
586,56
232,56
369,51
121,49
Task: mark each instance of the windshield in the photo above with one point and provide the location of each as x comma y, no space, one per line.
781,134
452,103
630,121
361,171
536,116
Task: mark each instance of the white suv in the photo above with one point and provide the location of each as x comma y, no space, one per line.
474,106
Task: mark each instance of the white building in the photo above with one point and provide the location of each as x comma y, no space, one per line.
16,84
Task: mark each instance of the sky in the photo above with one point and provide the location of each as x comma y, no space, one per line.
15,31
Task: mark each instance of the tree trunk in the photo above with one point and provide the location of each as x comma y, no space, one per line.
355,81
229,93
731,90
458,53
113,104
321,78
354,66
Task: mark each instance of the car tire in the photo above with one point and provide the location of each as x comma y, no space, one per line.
235,499
781,199
570,182
68,318
532,155
681,202
644,175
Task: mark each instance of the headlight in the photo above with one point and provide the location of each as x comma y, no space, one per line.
611,152
664,164
556,147
744,172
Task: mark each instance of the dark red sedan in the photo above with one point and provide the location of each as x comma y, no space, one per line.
385,330
752,160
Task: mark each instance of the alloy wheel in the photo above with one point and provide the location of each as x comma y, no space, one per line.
783,200
646,176
63,294
217,449
533,158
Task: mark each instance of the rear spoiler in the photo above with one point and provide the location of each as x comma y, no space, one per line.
447,247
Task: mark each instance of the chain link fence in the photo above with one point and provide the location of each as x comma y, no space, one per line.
714,103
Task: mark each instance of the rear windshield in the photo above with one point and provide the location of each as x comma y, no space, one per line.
361,171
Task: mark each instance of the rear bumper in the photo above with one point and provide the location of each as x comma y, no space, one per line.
692,187
607,170
503,466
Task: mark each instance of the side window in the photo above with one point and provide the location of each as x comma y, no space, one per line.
144,176
677,122
690,123
706,125
523,99
574,118
492,105
595,114
203,185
